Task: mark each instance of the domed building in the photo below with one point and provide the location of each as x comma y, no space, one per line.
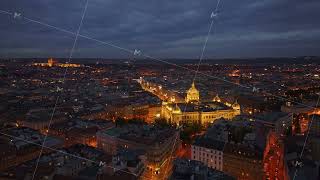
203,112
193,95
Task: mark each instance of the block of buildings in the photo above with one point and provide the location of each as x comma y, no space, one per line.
157,142
185,169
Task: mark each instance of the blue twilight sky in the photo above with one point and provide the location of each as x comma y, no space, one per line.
162,28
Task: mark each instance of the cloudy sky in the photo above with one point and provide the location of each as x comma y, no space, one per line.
161,28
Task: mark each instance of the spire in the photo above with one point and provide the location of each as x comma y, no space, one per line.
236,105
193,88
192,94
236,102
217,98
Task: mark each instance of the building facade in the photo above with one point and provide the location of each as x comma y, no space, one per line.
189,169
209,152
242,162
315,126
195,111
157,143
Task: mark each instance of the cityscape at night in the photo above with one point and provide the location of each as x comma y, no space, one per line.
150,90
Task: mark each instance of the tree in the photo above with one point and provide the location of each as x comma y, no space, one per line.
189,130
162,122
120,122
288,131
136,121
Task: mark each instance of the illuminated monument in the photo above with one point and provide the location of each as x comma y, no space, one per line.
54,63
51,62
193,95
194,110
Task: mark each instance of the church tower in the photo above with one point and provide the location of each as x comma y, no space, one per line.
193,94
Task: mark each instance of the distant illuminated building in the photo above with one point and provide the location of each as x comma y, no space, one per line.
69,65
53,63
235,73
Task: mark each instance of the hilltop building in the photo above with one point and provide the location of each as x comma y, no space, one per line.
54,63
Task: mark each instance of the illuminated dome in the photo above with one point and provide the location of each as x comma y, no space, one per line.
192,94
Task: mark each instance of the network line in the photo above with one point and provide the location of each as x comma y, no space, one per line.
156,59
305,141
196,72
64,76
5,12
206,41
66,153
205,45
63,80
75,34
150,57
172,150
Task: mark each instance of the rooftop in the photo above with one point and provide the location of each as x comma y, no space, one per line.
144,134
189,169
209,143
202,107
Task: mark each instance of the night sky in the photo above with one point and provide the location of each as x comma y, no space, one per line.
162,28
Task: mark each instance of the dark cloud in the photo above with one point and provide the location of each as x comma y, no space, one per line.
246,28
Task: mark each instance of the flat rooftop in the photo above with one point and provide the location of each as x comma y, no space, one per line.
144,134
201,107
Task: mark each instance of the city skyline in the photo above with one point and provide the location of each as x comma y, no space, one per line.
150,90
